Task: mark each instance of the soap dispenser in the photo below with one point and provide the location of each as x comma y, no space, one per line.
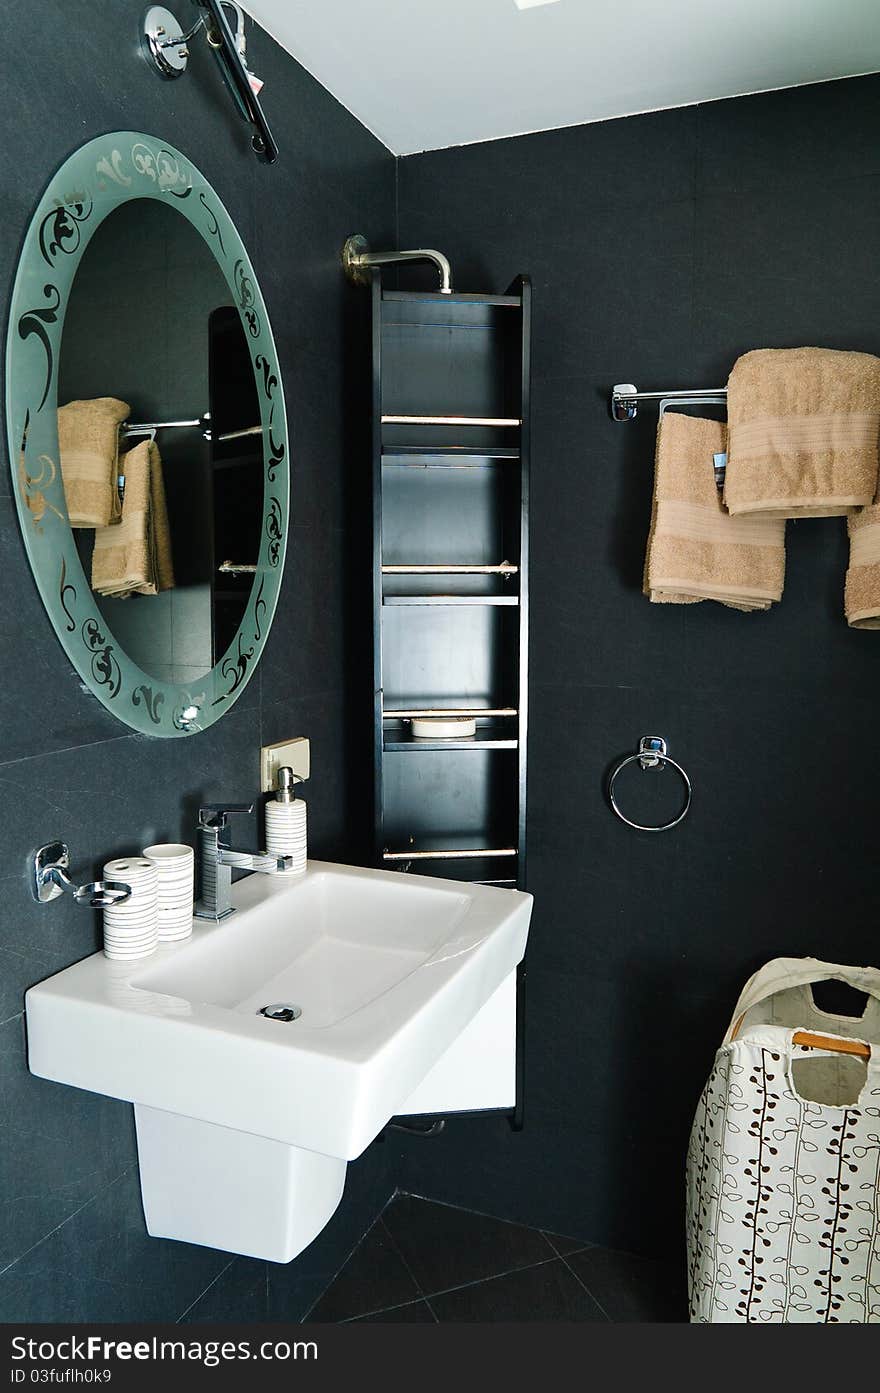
286,831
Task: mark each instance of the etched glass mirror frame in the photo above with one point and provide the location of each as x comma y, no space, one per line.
94,181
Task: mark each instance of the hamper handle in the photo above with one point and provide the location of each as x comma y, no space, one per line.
810,1040
780,974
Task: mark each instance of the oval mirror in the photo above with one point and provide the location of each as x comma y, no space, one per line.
147,434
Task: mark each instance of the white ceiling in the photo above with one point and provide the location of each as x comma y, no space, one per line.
422,74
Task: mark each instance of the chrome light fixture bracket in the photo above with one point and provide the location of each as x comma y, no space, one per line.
163,42
164,46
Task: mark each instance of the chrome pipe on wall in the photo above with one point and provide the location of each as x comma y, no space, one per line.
357,260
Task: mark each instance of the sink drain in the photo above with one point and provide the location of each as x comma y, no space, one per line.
280,1011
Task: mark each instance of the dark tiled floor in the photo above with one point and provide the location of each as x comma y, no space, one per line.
426,1262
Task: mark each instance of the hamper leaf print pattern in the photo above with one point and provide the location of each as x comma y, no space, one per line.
783,1196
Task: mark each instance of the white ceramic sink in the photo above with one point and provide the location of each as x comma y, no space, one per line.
404,984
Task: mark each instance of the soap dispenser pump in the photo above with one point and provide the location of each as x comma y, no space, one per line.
286,822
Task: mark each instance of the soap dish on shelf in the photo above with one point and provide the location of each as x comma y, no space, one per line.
443,727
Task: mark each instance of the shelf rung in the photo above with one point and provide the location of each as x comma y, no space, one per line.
504,568
446,456
487,737
411,713
457,297
501,421
450,599
450,855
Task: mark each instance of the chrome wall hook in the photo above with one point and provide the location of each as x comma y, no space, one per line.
49,879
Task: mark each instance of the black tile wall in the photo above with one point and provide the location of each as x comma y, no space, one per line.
72,1238
661,247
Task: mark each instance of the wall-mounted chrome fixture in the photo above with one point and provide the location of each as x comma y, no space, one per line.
49,879
625,398
651,754
357,260
164,43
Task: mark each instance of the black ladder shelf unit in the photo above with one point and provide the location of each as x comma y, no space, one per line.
450,580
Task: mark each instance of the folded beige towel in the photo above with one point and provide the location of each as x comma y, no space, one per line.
696,550
862,592
88,447
803,429
134,556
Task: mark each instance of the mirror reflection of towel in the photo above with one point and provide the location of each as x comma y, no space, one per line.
88,445
133,557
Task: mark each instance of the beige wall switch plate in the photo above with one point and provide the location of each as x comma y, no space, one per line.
294,753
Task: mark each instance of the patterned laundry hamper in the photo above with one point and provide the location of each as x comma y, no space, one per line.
783,1173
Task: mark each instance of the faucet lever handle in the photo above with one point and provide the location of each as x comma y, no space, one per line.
216,814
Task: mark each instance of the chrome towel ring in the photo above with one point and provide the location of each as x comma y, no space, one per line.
651,754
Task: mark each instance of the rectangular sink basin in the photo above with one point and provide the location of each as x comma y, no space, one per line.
341,944
386,969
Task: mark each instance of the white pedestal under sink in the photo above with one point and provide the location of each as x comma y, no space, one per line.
405,988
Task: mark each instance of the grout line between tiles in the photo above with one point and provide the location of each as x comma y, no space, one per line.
203,1293
346,1259
46,1236
387,1310
396,1246
591,1294
571,1252
481,1214
66,749
492,1277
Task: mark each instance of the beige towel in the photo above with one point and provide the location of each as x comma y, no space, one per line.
159,517
803,429
134,557
88,446
696,550
862,593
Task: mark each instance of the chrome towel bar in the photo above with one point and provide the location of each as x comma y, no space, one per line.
625,399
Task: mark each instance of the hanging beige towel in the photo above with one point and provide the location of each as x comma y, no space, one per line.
159,518
803,429
88,447
134,557
696,551
862,593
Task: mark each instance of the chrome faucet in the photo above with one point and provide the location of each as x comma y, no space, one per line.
217,860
